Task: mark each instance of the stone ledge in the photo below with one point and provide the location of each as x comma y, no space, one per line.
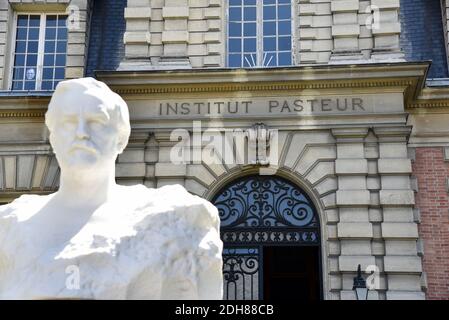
402,264
355,230
345,6
138,13
136,37
386,4
353,198
397,197
388,28
175,37
387,166
170,170
128,170
175,12
394,230
350,263
346,30
405,295
351,166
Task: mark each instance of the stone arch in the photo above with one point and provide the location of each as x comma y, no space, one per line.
303,185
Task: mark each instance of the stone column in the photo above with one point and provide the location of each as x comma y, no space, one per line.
137,37
354,230
130,166
402,265
175,35
165,171
345,31
386,31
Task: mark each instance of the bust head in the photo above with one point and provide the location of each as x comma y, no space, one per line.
88,124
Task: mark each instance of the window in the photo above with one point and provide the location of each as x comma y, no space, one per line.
40,51
259,33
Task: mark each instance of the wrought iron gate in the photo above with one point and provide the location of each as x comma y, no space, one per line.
257,211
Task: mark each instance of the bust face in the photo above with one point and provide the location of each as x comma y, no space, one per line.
85,133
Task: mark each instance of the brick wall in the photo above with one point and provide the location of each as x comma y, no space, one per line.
432,199
421,40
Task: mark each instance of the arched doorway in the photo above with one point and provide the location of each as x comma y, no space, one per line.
271,236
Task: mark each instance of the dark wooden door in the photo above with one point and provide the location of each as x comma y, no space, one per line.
291,273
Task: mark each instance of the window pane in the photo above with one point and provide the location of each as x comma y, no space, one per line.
49,46
284,12
249,60
235,29
269,1
49,60
47,85
32,60
30,85
33,34
62,34
47,73
249,2
235,60
59,73
30,74
235,14
284,28
285,1
285,59
22,21
33,46
22,33
51,21
270,60
284,43
21,46
269,12
17,85
20,60
249,29
235,45
50,33
61,47
235,2
269,28
18,73
249,14
249,45
62,21
35,21
60,60
269,44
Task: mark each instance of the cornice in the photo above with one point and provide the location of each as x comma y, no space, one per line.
408,77
17,113
432,98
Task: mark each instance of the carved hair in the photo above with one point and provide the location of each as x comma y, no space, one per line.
104,92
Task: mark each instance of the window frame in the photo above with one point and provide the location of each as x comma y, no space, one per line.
259,36
40,50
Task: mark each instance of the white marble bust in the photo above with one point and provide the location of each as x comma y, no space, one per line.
94,239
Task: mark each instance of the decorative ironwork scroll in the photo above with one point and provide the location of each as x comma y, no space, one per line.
257,211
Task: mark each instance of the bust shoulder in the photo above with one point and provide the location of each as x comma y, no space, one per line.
176,200
21,209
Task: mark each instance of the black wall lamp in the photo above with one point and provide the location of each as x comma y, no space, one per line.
361,291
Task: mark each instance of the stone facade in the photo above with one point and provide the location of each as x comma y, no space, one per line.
361,134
